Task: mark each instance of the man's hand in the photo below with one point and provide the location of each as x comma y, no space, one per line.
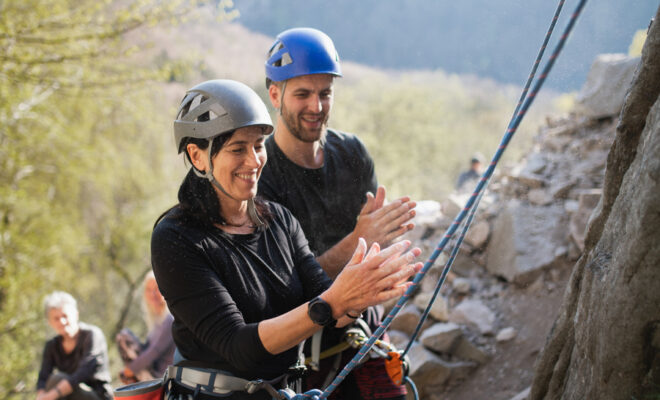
383,223
376,223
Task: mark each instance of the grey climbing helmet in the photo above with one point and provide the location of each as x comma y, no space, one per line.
216,107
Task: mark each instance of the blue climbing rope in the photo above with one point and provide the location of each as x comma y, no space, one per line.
521,110
456,247
466,226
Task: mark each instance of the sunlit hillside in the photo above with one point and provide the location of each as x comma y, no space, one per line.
420,126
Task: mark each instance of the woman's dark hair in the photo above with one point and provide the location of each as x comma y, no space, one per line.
198,200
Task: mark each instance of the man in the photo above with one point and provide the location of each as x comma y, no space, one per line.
469,177
75,362
326,178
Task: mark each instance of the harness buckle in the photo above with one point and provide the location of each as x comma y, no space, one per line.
253,386
297,371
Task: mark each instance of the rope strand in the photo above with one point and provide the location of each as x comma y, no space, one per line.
511,129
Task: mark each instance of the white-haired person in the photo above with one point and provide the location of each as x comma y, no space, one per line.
149,359
75,362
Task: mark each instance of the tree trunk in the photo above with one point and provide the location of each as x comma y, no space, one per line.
605,343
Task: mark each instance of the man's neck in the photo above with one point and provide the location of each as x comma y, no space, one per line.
304,154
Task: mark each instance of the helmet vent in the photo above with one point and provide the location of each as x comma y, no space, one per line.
285,60
277,46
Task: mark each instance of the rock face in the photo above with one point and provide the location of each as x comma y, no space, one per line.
608,79
535,220
525,238
602,344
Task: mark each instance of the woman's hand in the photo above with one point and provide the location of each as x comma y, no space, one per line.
372,277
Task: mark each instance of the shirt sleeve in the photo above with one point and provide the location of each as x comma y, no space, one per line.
46,365
93,355
199,300
159,341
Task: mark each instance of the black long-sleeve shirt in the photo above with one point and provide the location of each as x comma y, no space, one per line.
219,286
87,363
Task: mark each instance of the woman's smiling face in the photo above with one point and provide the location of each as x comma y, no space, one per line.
238,165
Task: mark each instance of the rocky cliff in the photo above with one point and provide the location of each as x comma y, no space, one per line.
495,310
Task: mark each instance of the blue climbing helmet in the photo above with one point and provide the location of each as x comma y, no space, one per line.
301,51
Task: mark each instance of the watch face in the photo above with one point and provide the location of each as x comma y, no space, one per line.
320,312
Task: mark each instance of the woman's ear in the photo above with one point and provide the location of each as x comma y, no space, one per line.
198,157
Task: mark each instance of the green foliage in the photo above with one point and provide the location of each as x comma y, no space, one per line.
81,168
422,128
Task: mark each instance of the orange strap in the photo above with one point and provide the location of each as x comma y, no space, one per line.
394,367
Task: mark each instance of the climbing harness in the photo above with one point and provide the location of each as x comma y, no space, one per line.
355,336
519,113
181,382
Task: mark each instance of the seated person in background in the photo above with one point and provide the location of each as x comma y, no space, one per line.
78,352
469,178
148,360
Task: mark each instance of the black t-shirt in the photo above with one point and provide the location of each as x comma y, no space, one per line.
87,363
219,286
325,200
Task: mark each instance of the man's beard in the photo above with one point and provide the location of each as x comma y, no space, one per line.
294,126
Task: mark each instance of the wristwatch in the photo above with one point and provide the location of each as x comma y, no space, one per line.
320,313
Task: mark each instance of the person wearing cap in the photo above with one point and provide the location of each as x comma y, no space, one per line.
466,178
326,178
236,271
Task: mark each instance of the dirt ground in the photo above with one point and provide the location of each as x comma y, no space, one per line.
531,311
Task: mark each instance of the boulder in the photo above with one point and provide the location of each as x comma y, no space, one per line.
428,217
477,235
461,285
560,190
439,310
454,203
466,350
524,240
539,197
608,79
397,338
431,373
536,163
407,319
530,180
441,337
427,370
464,265
474,313
506,334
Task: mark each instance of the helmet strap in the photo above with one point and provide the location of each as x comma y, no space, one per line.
282,97
251,207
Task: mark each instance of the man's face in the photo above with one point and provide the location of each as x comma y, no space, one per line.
64,320
306,105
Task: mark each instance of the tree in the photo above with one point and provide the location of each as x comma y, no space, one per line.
605,343
79,164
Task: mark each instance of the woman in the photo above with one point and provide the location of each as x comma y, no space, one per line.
237,272
79,354
146,361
